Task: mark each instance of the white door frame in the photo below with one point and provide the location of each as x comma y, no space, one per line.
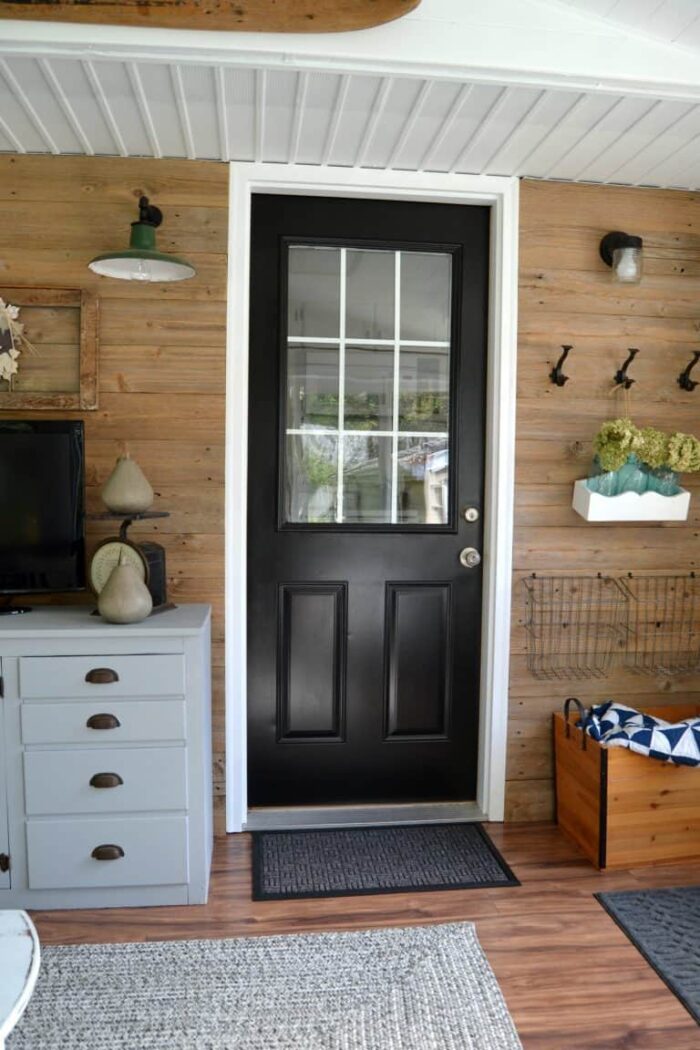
501,194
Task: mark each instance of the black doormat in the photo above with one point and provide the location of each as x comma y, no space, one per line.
344,862
664,925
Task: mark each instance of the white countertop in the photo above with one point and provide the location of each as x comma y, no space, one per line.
50,621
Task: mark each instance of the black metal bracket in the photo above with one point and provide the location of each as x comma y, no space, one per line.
583,718
621,378
556,375
149,215
684,381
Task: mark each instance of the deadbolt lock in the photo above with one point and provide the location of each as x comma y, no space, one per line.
470,557
470,514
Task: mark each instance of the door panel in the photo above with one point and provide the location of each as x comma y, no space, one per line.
367,378
311,654
418,660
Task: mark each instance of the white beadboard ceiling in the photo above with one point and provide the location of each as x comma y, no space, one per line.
374,99
673,21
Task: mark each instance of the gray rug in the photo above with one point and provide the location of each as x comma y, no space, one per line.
665,926
398,859
423,988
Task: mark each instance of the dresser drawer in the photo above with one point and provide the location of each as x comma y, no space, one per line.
59,782
60,852
46,677
103,724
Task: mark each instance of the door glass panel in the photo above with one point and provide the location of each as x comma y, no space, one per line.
368,366
312,387
367,476
313,303
369,388
424,384
311,489
371,279
426,296
423,481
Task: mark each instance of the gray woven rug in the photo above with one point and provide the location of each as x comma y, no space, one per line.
665,926
423,988
398,859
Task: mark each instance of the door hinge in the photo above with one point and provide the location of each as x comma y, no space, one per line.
4,862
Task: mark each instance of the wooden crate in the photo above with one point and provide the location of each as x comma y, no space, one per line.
624,809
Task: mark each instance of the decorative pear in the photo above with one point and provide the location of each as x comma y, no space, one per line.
125,598
126,490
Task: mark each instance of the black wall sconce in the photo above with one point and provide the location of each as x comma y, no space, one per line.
684,381
621,378
623,252
556,375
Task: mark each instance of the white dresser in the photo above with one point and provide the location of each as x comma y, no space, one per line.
105,759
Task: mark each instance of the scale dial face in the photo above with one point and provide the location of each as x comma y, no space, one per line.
106,558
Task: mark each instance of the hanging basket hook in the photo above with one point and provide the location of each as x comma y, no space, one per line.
621,378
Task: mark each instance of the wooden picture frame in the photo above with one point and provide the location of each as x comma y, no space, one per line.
81,349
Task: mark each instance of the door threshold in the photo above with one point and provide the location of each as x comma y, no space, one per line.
289,818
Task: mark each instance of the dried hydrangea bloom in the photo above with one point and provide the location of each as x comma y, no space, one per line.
653,447
615,441
683,453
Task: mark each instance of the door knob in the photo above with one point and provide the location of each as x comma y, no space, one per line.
470,557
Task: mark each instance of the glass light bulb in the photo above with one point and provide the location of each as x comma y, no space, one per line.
142,271
627,265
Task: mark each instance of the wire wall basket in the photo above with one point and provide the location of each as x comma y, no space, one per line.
575,625
664,628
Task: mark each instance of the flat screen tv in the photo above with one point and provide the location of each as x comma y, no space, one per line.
42,512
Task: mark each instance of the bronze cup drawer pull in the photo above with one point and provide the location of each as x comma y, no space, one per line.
106,780
101,676
107,852
103,721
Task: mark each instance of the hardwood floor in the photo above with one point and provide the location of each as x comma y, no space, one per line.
571,978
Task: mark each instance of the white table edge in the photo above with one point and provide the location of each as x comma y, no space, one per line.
25,995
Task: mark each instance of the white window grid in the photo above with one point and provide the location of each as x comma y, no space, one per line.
342,341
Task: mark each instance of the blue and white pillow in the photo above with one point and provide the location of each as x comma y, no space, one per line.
618,726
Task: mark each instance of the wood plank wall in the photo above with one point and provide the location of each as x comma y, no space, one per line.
162,378
162,347
566,296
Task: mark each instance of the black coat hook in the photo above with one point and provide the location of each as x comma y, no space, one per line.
556,375
684,381
621,378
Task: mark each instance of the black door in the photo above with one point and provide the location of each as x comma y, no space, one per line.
366,460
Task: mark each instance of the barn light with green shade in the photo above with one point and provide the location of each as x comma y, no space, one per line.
140,261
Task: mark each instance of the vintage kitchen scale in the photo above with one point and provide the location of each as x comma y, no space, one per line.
147,558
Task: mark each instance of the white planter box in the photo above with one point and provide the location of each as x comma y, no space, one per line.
629,506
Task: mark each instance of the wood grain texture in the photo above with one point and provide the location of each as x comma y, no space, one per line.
162,348
553,948
252,16
567,296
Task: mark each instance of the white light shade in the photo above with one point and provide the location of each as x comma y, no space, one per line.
128,267
627,265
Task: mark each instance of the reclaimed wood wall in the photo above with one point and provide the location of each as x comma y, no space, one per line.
567,296
162,348
161,387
